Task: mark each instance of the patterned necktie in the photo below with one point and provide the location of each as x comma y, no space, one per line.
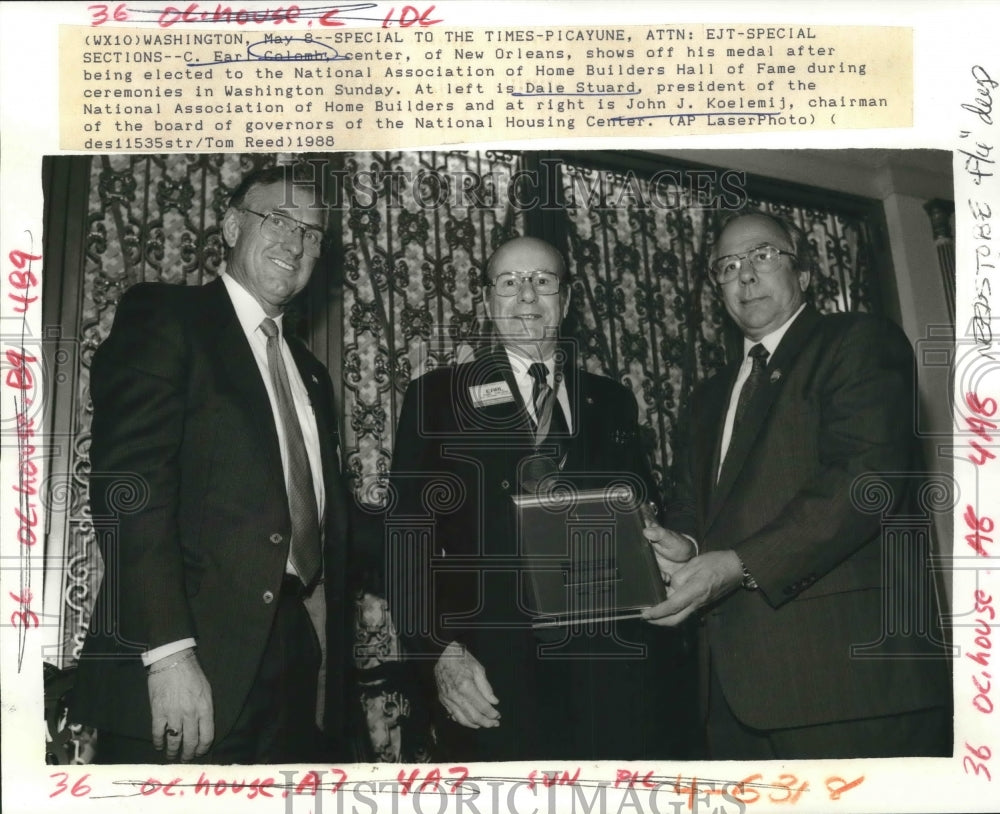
305,553
758,355
548,412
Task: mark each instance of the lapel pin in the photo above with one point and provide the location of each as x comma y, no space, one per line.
589,400
776,376
621,437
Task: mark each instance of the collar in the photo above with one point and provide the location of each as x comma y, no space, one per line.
248,311
773,339
519,364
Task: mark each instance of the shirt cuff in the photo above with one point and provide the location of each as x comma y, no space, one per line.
694,542
150,657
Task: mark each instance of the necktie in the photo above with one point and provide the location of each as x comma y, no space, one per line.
548,412
305,553
758,355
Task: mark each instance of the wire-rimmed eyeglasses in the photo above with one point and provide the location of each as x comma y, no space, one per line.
279,228
508,283
762,258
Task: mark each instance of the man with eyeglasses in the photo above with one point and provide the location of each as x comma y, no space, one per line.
819,638
470,437
215,481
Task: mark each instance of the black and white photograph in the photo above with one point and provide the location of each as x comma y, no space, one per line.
651,471
422,282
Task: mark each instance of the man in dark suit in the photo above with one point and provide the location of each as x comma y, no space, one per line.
809,651
457,589
220,509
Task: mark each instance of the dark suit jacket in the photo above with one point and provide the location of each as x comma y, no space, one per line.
824,456
189,502
455,467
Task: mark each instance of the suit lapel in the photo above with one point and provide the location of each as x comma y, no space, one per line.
586,428
508,416
325,427
745,436
239,366
329,439
710,423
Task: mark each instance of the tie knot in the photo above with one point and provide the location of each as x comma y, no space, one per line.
758,355
269,327
539,372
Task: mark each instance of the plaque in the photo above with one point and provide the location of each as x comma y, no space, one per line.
584,556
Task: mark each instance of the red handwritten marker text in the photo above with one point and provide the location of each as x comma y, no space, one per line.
982,409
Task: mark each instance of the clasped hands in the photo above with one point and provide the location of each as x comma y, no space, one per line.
693,581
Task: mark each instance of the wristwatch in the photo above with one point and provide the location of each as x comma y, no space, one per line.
749,583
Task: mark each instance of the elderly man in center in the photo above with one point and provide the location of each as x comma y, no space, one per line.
503,689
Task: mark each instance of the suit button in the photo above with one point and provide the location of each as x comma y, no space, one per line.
505,484
277,539
268,597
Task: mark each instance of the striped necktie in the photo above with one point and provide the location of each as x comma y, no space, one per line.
548,412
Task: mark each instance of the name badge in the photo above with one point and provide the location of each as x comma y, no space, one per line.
485,395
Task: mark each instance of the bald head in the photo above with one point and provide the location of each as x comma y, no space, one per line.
525,250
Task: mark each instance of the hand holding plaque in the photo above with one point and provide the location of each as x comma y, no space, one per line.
671,549
585,555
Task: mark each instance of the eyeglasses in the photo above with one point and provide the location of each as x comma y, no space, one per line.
762,258
279,228
508,283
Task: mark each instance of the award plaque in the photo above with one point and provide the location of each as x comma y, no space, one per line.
584,556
